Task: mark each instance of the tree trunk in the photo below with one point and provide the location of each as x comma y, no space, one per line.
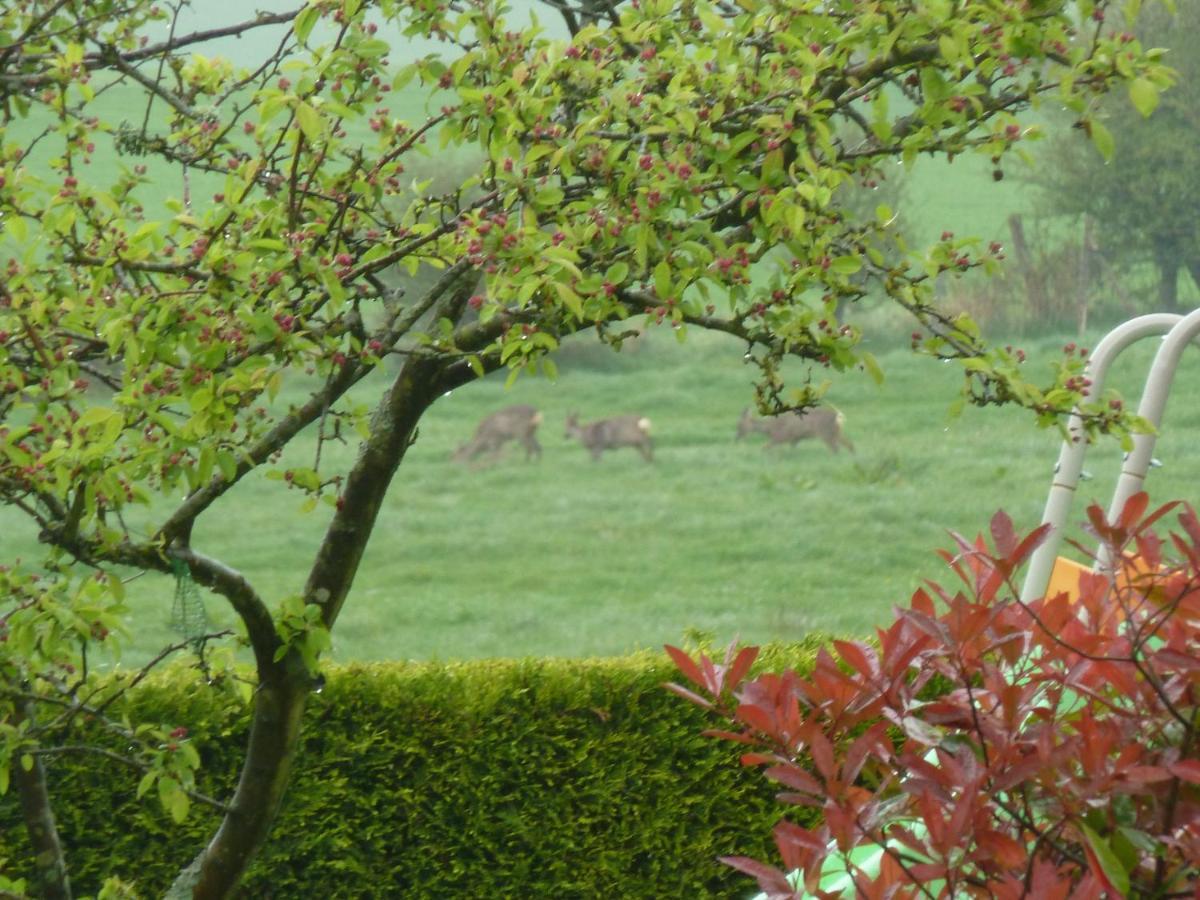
1087,249
1034,286
51,881
393,425
284,687
274,739
1168,285
1193,267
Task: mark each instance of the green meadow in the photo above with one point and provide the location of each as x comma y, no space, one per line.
571,557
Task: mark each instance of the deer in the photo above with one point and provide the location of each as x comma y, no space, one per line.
608,434
824,422
513,423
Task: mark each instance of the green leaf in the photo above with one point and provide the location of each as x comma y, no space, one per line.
1138,839
190,754
1109,863
1144,94
146,783
305,21
872,366
173,799
949,48
617,273
772,165
795,215
846,265
662,280
15,227
569,299
201,399
1103,140
227,463
309,120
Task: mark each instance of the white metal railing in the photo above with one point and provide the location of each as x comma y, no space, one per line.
1178,332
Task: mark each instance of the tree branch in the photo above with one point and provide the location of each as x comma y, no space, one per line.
34,796
96,60
287,428
233,586
129,762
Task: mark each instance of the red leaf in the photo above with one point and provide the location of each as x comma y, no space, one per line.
852,652
711,680
1002,848
770,879
1149,521
1190,524
688,695
685,665
874,740
922,872
922,602
757,759
1099,524
794,777
799,847
822,752
1003,535
1134,509
1172,659
1187,769
1031,542
927,624
987,592
740,666
1149,549
1146,774
757,718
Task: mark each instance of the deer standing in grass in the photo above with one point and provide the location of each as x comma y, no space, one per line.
824,422
608,434
513,423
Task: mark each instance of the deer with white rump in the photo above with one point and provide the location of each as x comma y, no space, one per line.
608,434
513,423
824,422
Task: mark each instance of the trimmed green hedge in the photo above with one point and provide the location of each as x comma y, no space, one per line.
531,778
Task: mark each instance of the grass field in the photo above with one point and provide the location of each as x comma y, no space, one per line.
570,557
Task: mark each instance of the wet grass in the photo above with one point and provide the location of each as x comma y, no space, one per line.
570,557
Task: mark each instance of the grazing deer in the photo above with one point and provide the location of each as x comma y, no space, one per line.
513,423
824,422
608,434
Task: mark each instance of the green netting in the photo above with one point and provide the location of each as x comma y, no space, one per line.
188,616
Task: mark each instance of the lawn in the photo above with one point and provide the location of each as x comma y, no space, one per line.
570,557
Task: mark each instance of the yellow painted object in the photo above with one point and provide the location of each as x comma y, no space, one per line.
1064,577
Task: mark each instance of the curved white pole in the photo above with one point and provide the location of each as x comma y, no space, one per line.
1153,403
1070,456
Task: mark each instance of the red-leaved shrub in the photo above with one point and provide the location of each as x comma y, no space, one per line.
993,748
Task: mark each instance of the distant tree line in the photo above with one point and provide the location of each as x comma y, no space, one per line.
1135,206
